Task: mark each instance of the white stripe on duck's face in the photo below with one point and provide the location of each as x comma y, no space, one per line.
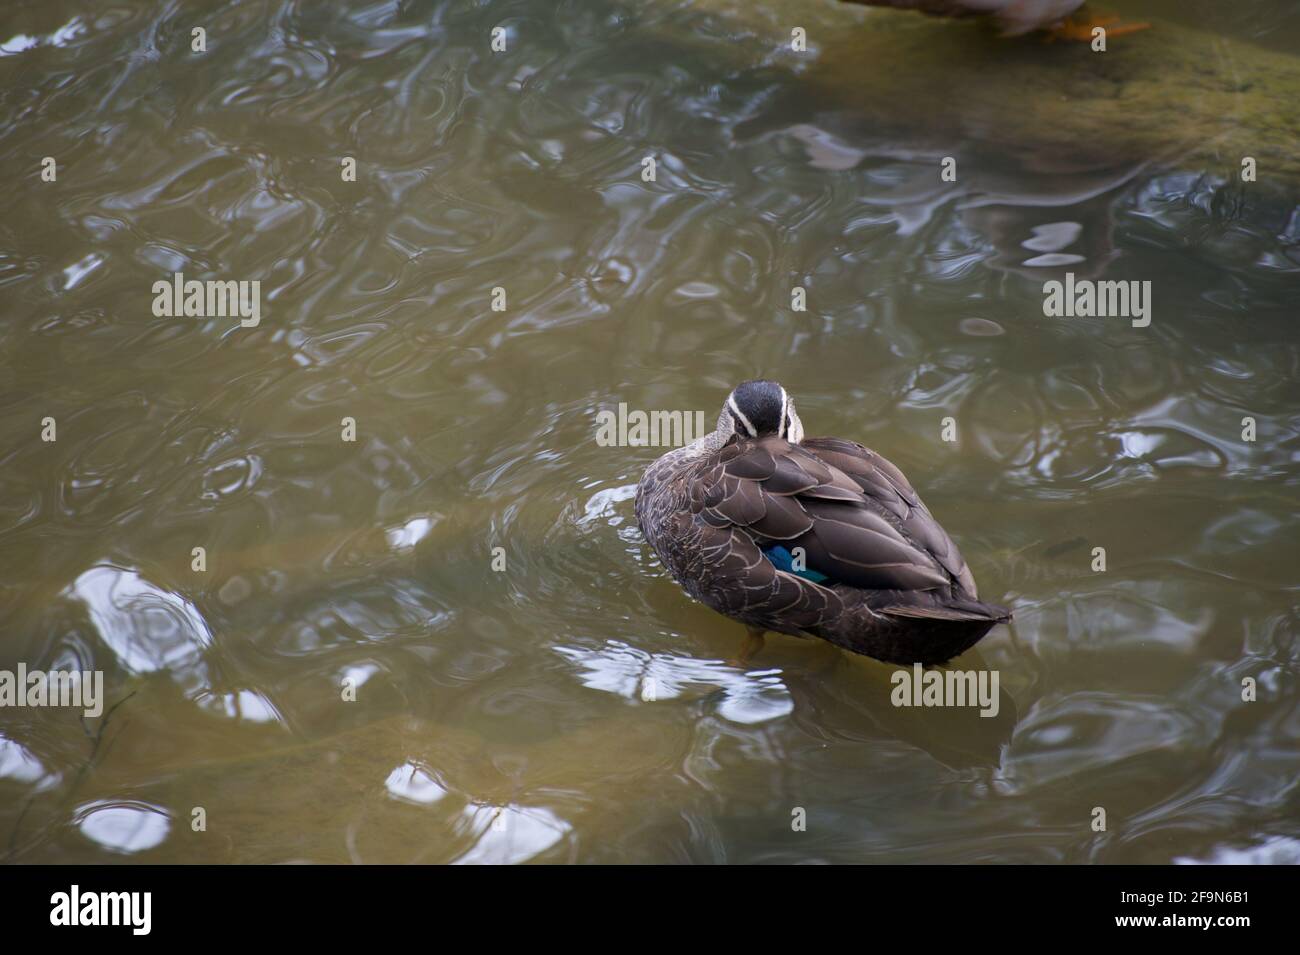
741,421
761,407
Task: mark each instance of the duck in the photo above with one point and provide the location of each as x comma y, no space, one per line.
1016,17
809,537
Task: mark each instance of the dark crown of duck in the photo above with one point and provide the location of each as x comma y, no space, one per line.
759,407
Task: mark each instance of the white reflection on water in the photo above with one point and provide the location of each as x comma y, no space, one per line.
124,827
21,42
407,535
511,834
752,697
75,273
146,627
601,504
1050,239
412,783
1275,850
247,705
18,763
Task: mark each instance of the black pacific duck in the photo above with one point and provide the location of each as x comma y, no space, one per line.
810,537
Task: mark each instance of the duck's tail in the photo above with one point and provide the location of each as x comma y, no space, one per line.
909,631
956,610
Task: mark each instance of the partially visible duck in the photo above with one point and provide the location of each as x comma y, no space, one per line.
1017,16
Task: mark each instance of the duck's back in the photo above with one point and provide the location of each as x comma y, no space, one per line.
822,537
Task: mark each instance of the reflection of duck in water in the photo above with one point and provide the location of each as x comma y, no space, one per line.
810,537
1018,16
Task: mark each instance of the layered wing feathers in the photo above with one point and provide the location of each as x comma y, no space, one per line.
855,515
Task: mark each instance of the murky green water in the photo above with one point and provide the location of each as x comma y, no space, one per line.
500,716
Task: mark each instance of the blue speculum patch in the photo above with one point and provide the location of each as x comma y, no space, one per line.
784,560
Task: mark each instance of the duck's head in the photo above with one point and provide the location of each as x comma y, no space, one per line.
758,407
